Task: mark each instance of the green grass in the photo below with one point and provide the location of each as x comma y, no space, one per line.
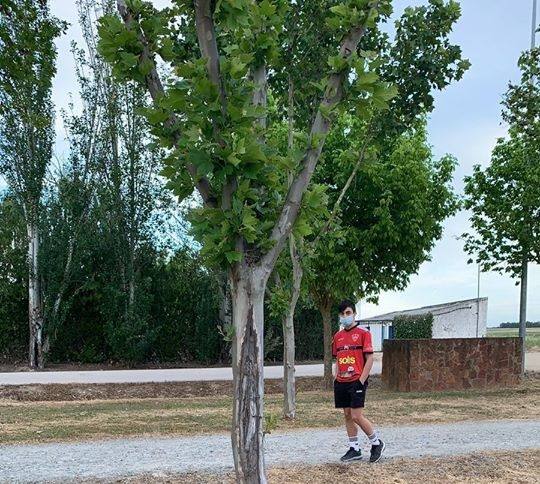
532,338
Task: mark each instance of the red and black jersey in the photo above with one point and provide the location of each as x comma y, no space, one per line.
349,348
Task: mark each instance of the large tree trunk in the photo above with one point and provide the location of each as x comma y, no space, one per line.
523,311
247,290
35,315
289,383
326,313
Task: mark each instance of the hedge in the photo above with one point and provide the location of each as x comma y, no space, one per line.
413,327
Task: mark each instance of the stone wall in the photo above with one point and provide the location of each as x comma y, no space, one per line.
451,364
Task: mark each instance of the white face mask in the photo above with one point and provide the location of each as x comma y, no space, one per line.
346,321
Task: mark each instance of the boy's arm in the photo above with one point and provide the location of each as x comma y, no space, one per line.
368,355
367,368
334,362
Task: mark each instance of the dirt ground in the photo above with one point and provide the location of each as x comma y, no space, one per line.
114,391
492,468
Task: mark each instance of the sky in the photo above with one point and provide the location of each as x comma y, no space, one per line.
466,122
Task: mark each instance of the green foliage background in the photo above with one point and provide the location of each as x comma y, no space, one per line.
177,307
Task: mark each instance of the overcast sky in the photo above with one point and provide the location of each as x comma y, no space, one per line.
466,123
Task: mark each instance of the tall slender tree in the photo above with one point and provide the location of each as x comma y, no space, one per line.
27,68
504,198
129,199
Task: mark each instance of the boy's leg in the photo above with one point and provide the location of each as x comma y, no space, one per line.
358,417
354,452
377,445
352,429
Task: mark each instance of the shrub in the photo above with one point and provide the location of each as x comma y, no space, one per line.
413,327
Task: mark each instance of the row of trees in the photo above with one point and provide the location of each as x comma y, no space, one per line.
530,324
277,125
296,129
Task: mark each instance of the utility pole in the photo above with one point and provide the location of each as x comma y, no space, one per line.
534,26
524,262
523,311
478,302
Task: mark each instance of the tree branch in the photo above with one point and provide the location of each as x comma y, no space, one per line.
155,88
320,128
206,35
342,193
260,94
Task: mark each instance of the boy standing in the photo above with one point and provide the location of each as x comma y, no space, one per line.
353,351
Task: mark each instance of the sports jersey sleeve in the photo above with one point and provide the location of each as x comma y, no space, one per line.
368,345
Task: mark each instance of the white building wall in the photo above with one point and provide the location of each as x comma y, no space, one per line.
378,332
462,322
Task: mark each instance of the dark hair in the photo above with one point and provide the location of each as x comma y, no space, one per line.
346,303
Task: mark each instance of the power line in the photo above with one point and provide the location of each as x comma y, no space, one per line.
534,26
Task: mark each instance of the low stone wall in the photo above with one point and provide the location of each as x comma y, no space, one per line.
451,364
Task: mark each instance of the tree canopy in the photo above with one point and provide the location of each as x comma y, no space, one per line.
504,197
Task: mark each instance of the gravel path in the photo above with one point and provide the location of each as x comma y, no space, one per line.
125,457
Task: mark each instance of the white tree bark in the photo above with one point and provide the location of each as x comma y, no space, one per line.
289,353
35,307
155,88
248,286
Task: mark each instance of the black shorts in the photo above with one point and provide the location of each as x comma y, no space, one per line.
350,394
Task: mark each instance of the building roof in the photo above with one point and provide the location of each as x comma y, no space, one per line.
435,310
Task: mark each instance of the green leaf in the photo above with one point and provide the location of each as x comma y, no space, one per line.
302,228
202,160
367,78
341,10
267,8
155,116
233,256
337,62
146,66
129,59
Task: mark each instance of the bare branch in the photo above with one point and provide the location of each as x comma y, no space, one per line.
155,88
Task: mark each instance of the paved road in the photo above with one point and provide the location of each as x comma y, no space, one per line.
532,362
144,376
110,459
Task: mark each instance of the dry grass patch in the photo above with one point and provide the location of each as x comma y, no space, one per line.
489,467
47,421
